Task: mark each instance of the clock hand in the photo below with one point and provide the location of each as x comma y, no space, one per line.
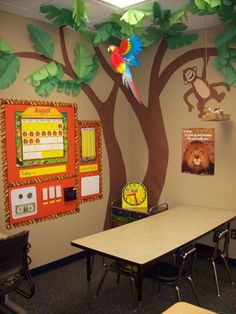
135,196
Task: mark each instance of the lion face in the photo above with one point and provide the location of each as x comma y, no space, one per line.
196,158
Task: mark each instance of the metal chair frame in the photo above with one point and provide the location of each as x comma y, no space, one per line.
14,269
182,269
221,249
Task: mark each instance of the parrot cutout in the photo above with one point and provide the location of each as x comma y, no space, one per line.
124,56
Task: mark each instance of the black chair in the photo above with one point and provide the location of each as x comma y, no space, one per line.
123,268
165,273
220,250
14,269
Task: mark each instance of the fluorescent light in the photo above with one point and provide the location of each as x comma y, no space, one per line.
122,3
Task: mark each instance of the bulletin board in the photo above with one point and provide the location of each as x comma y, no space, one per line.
90,170
39,148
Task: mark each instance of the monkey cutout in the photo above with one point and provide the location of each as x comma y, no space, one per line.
201,89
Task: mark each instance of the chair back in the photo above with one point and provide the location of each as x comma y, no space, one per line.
156,209
185,259
13,260
221,239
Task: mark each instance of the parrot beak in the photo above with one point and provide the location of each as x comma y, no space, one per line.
111,48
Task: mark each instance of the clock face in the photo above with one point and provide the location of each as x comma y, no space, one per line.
134,193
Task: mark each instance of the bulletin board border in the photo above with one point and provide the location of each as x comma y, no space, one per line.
99,141
7,185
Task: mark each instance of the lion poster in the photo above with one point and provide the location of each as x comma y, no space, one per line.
198,151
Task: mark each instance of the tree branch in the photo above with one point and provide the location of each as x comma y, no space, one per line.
172,67
155,71
64,53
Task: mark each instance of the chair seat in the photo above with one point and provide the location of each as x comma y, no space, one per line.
122,268
163,272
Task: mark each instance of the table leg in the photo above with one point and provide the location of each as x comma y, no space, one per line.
89,271
139,289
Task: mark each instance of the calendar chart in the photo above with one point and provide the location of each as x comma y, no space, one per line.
42,138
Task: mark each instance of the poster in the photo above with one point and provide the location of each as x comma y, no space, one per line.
198,151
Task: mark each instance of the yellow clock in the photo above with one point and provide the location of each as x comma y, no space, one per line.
134,195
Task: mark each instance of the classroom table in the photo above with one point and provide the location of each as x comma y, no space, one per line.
186,308
142,242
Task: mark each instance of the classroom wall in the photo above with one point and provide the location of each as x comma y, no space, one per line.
51,239
210,191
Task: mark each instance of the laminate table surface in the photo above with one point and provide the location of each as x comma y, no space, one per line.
143,241
186,308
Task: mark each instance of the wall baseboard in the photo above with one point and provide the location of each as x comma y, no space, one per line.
75,257
59,263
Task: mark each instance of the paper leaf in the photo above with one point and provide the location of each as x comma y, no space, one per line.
79,12
9,67
104,31
213,3
58,16
42,40
176,28
226,37
85,65
134,16
181,40
180,14
46,86
4,47
69,87
47,71
83,61
153,34
89,77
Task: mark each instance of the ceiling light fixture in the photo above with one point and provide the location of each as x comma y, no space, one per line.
122,3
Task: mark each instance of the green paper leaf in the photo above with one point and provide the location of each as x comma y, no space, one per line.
176,29
46,86
135,16
181,40
213,3
83,62
69,87
85,66
9,67
153,34
103,34
79,12
4,47
42,40
226,37
44,73
180,14
90,76
60,17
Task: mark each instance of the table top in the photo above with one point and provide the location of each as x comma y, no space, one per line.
147,239
2,235
186,308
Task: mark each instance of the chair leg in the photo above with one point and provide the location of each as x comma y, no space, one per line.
101,283
134,294
193,289
118,278
227,269
216,278
178,293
